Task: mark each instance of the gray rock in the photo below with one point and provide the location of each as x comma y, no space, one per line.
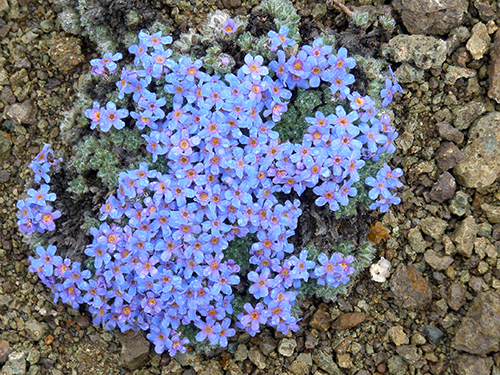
397,365
491,212
5,145
410,288
430,16
326,362
22,113
416,240
15,365
459,205
432,334
494,73
479,42
479,332
173,368
444,188
465,115
407,73
449,133
302,365
398,335
135,349
409,353
437,262
454,73
257,358
35,330
448,155
481,165
434,227
424,51
466,364
241,353
465,235
5,350
456,296
267,344
286,347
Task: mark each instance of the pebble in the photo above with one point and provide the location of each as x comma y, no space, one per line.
466,364
5,145
479,42
436,261
416,240
425,52
456,296
410,288
349,320
397,365
321,320
325,362
267,344
5,350
302,364
434,227
465,235
398,335
135,349
444,188
492,212
409,353
241,353
459,205
481,165
431,17
448,155
22,113
287,346
15,365
450,133
466,114
494,72
257,358
432,334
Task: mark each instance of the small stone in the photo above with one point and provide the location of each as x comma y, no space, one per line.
466,114
479,42
459,205
319,11
466,364
5,350
480,166
241,353
409,353
448,155
286,347
425,52
398,335
454,73
433,334
444,188
344,361
5,145
491,212
15,365
172,368
211,367
135,349
418,339
257,358
321,320
449,133
494,70
302,364
35,330
22,113
416,240
456,296
410,287
65,52
325,362
434,227
349,320
464,236
436,261
397,365
267,344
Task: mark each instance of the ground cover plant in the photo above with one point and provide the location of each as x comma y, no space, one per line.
206,212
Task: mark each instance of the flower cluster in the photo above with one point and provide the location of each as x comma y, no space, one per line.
159,260
35,215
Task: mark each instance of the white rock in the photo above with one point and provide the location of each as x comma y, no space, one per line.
381,270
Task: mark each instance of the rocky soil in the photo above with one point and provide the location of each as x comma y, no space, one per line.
438,312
